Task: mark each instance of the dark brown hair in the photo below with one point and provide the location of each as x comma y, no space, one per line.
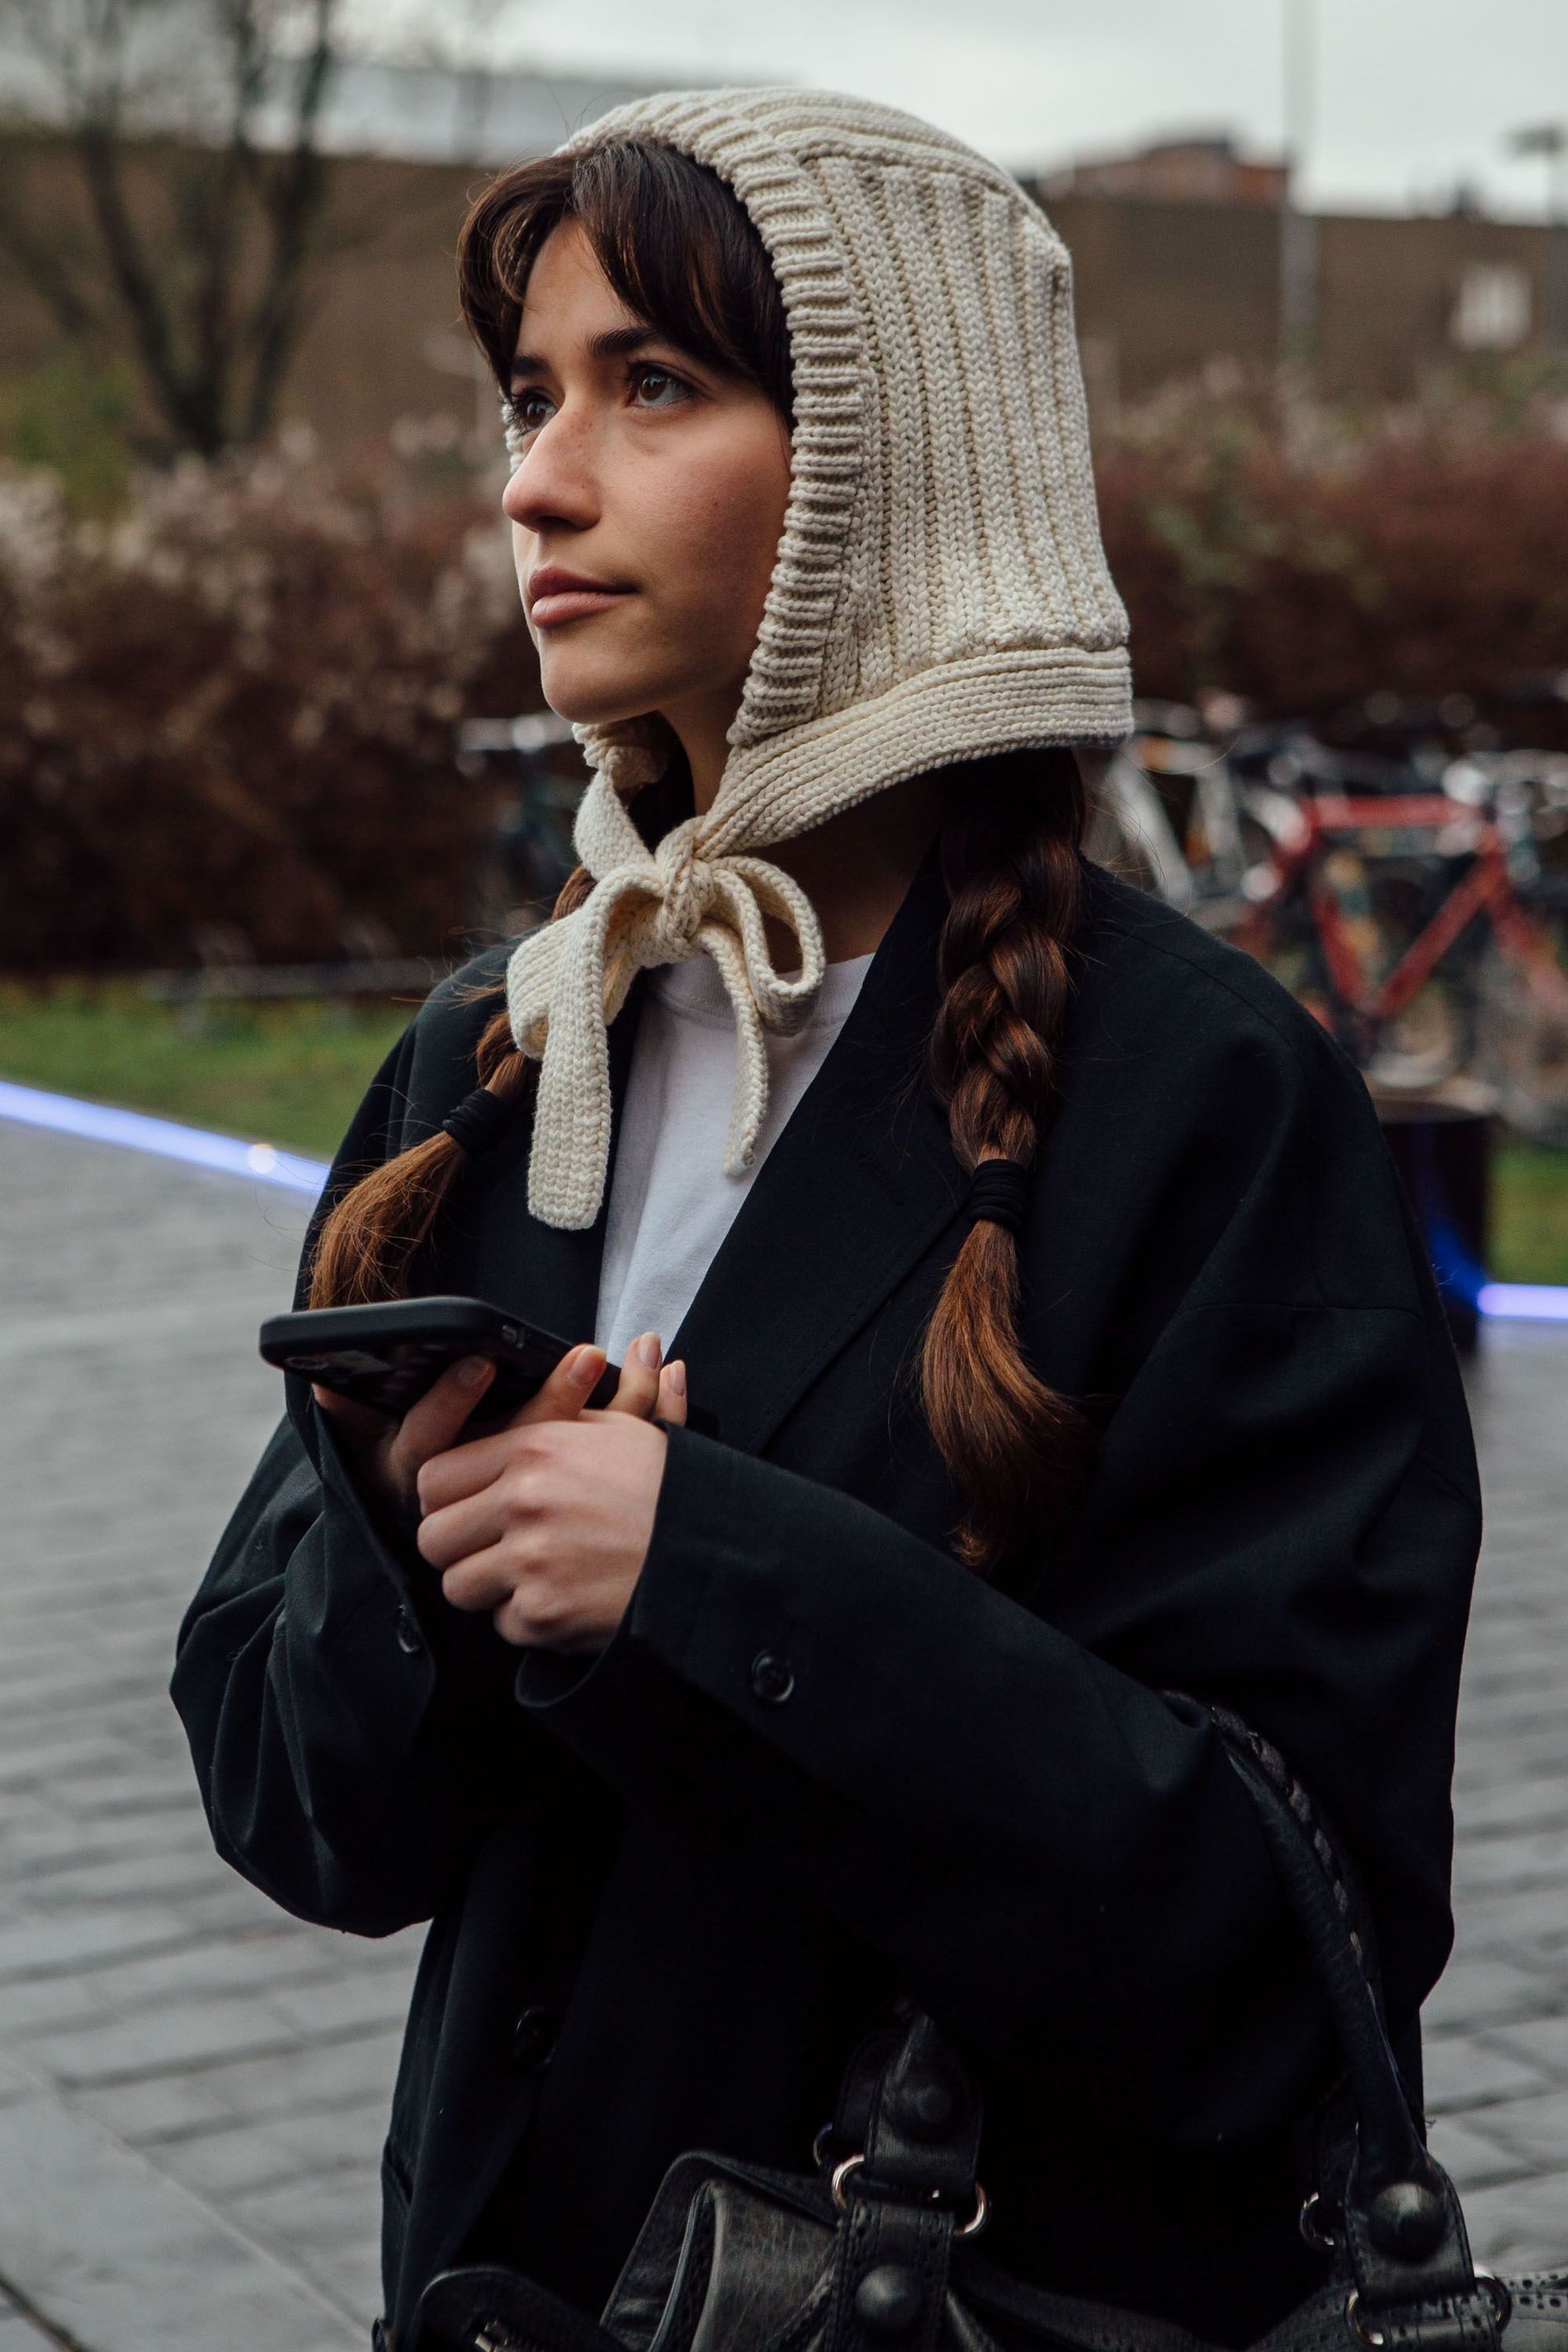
682,253
671,239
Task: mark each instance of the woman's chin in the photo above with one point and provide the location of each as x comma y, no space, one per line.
592,702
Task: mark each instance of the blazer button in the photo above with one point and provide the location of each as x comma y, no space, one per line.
533,2035
772,1677
409,1638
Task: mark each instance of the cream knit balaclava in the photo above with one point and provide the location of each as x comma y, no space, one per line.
940,589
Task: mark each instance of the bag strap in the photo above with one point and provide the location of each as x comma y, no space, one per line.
1404,2247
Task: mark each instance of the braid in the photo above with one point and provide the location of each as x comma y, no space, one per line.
367,1241
1016,1450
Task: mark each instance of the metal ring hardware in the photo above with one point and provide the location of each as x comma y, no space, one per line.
1312,2230
1501,2295
970,2229
819,2146
978,2219
1501,2303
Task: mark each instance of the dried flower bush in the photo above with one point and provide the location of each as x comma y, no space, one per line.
234,703
1303,558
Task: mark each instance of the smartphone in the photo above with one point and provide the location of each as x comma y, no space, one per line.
387,1354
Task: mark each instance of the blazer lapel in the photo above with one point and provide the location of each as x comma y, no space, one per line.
860,1184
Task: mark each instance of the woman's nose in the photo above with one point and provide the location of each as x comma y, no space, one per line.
557,481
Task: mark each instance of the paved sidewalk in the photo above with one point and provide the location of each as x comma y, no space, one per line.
194,2087
1497,2040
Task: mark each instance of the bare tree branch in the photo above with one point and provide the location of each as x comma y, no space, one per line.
213,292
293,201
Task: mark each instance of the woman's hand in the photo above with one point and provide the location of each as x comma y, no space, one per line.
547,1523
387,1455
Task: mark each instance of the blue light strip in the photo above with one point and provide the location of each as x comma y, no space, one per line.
101,1123
1523,1302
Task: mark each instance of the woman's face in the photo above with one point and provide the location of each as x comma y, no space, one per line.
646,510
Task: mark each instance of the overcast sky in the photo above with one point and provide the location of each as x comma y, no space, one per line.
1410,96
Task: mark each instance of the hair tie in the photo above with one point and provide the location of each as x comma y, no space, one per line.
479,1122
998,1192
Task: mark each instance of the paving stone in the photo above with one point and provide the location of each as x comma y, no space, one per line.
1463,2070
163,2106
159,2042
1507,1864
45,2005
1538,2129
31,1945
331,2227
1540,2042
159,1878
99,2243
368,1996
212,1964
1469,2154
356,2071
1515,1804
1478,1991
1520,2225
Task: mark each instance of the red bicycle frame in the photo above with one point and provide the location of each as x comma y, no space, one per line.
1484,888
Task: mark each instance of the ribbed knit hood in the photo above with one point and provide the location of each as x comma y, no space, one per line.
940,589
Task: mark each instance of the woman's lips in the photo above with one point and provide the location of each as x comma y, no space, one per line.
557,600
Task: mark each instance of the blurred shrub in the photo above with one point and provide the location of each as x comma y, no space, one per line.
234,702
1303,558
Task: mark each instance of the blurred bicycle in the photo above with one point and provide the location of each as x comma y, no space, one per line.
1415,901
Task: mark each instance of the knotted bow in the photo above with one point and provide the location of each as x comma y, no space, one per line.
566,981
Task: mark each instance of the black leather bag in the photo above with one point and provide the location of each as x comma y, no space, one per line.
879,2251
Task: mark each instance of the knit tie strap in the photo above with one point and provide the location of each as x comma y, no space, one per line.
566,981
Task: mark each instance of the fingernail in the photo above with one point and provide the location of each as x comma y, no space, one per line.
648,1350
676,1375
474,1372
586,1367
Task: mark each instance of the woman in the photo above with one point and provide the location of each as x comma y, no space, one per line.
698,1750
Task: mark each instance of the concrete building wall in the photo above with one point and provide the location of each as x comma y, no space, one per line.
1164,290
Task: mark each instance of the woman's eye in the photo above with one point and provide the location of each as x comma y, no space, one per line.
530,409
659,388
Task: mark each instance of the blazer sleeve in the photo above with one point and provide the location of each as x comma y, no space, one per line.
349,1731
995,1789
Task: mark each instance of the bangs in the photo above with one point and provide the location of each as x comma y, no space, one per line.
679,249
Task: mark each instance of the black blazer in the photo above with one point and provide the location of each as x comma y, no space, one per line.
664,1900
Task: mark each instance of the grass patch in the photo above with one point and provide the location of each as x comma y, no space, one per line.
1530,1214
290,1073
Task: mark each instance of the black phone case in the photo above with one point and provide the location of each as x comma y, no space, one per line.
387,1353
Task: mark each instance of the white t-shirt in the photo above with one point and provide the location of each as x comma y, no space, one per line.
672,1203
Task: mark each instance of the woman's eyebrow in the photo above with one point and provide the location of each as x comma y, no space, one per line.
612,343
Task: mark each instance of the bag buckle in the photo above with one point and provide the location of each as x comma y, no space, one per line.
1497,2289
970,2229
